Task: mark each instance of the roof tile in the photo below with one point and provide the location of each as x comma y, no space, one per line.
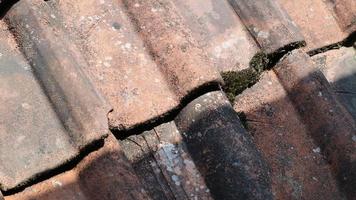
222,149
135,70
105,173
41,138
70,71
269,24
316,22
339,68
298,170
220,32
163,163
330,125
345,13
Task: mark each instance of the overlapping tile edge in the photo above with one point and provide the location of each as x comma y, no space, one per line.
134,5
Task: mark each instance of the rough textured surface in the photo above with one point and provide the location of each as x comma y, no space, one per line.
138,52
103,174
41,139
316,22
156,63
222,149
339,67
269,24
58,68
345,13
331,126
220,32
298,170
161,160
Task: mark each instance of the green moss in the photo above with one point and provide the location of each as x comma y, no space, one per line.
259,62
236,82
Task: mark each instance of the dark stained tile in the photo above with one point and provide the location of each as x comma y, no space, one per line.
198,161
161,160
103,174
330,125
298,169
222,150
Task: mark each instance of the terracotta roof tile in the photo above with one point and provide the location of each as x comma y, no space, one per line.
149,71
330,125
27,116
220,32
105,173
161,60
318,22
339,67
345,13
298,170
269,24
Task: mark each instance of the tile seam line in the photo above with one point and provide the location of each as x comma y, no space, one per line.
123,133
347,42
70,164
174,89
76,158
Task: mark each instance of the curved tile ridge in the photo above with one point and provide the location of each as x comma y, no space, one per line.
269,24
144,74
345,13
171,44
298,170
50,112
222,150
217,29
103,174
328,122
57,65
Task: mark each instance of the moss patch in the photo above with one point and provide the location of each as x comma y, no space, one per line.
259,62
236,82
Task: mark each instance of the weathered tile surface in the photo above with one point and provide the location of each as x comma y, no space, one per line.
141,56
330,125
161,160
269,24
339,67
298,170
222,150
103,174
316,22
58,67
72,70
220,32
345,13
34,138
